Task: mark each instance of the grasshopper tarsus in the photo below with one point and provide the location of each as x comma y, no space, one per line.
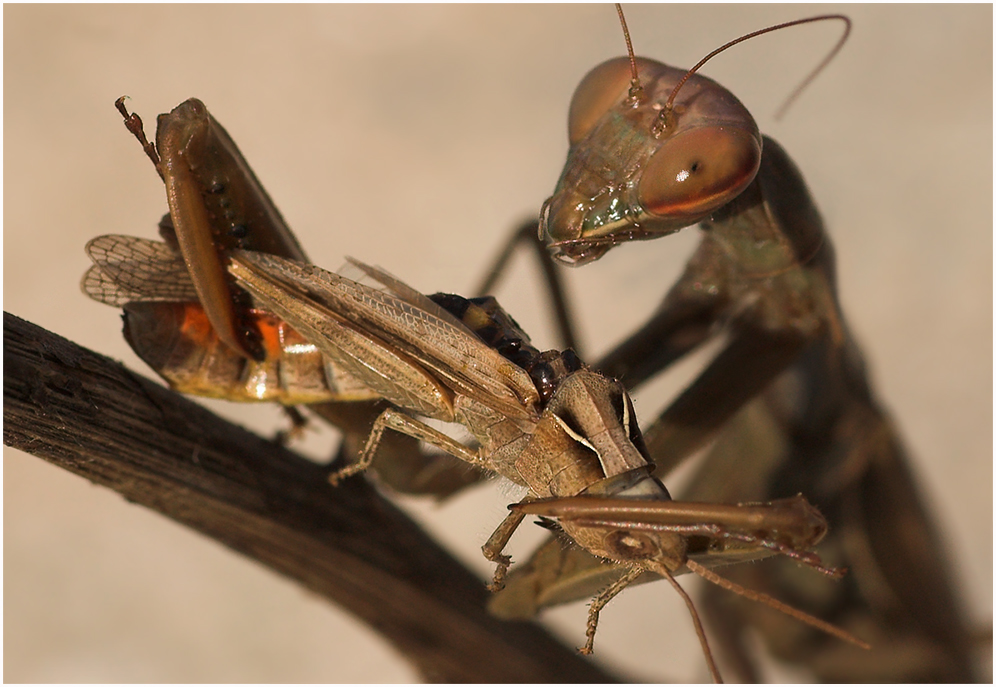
366,456
589,631
496,543
135,125
501,571
337,477
299,424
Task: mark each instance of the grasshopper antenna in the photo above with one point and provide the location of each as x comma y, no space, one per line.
665,119
699,630
774,603
635,87
606,595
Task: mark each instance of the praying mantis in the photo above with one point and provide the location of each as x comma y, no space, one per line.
453,228
654,150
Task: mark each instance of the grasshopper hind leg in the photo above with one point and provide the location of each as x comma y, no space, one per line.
394,419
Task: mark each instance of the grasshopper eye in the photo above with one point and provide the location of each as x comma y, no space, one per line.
600,89
631,545
699,170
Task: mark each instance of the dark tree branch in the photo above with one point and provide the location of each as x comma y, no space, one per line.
93,417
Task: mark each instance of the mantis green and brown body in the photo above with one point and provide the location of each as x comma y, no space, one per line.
651,153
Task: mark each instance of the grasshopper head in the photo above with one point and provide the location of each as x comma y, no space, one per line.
637,171
590,521
629,546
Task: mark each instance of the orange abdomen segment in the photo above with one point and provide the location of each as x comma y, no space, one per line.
179,343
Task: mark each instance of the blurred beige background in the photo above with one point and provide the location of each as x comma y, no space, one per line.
414,137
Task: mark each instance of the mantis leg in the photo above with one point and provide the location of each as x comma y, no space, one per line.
741,371
684,321
528,235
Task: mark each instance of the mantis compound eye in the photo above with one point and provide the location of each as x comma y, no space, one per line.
698,171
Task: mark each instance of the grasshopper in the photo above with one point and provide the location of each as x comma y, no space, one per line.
186,319
763,452
655,149
546,422
517,440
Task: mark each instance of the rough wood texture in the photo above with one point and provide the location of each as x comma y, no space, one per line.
93,417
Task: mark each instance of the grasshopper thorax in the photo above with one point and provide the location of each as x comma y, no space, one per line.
598,415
